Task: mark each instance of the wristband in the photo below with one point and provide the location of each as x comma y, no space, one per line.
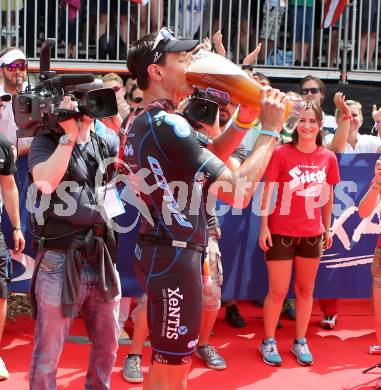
16,228
346,117
271,133
242,126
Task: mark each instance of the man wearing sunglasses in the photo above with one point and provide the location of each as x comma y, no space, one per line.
169,253
135,96
112,80
13,69
312,89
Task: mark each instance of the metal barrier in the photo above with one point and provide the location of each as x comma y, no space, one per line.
293,42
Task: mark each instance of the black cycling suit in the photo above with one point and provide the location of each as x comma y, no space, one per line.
166,145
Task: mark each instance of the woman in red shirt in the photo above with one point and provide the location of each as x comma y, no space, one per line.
296,231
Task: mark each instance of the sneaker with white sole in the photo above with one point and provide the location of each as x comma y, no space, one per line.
4,374
328,322
269,352
302,352
211,357
289,309
375,350
132,369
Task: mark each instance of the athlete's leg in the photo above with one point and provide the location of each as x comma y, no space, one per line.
167,377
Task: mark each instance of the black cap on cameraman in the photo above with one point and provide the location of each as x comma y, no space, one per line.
165,42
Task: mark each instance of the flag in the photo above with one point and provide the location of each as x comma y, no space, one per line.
332,11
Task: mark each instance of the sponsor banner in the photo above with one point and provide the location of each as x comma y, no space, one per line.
344,270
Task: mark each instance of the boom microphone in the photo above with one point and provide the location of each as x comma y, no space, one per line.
46,50
68,79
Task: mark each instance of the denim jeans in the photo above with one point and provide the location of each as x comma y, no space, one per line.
101,320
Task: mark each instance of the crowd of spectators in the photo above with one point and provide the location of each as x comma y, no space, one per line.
290,31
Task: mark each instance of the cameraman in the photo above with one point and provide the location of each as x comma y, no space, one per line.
75,268
168,254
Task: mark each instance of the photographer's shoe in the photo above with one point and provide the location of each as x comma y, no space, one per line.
328,322
211,357
233,316
289,309
4,374
132,369
269,352
302,352
375,350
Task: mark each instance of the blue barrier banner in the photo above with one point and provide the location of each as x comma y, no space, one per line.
344,271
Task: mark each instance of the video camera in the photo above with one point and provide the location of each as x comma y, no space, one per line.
203,106
37,109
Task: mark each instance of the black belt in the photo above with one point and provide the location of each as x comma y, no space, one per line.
167,241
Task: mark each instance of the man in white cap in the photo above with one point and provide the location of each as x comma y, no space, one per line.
13,69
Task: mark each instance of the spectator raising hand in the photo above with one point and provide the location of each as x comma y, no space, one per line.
252,57
204,45
207,44
343,117
376,115
218,44
339,100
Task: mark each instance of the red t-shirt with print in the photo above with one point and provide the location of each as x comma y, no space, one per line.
304,184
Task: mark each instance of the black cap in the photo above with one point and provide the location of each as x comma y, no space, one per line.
165,42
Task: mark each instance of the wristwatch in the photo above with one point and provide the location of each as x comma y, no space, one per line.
65,140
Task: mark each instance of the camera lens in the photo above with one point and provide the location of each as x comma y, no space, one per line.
96,104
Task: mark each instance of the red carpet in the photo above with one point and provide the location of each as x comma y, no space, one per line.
340,355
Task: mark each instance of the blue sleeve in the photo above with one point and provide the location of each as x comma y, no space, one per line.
109,136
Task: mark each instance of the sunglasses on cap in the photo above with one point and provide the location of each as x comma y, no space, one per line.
314,91
156,54
12,67
164,35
